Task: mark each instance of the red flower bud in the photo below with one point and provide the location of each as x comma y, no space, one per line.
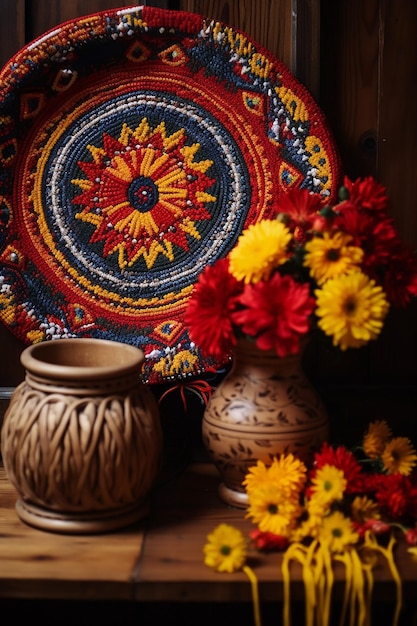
319,224
300,234
378,527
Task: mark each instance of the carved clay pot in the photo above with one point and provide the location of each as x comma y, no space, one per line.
265,406
81,438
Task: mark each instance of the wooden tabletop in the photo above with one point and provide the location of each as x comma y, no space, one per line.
38,564
159,559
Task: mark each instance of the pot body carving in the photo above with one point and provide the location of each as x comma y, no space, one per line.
81,439
265,406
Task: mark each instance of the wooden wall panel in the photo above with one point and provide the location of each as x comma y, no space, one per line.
12,28
305,61
350,81
397,124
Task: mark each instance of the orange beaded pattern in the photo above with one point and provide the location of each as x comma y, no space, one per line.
135,146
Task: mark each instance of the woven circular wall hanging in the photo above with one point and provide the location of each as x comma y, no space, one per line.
135,146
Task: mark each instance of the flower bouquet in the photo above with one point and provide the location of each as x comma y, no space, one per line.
336,267
350,507
333,267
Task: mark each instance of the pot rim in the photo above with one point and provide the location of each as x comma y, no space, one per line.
51,359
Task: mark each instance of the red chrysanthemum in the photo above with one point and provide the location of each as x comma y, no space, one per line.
209,310
276,313
397,496
367,193
370,482
386,259
344,460
400,278
372,232
301,209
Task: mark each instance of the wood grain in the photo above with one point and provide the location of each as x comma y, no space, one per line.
12,28
397,129
349,78
306,31
34,563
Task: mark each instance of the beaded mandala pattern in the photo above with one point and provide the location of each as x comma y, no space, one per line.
135,146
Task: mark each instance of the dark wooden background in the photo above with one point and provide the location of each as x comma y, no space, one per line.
359,60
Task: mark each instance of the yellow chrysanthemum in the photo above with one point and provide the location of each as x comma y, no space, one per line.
331,255
352,309
290,471
226,549
272,511
329,484
312,517
399,456
337,532
287,472
375,438
317,507
260,248
257,475
363,509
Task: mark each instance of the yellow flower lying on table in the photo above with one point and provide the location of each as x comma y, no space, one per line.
226,549
332,512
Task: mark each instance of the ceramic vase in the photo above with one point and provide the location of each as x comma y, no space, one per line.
265,406
81,439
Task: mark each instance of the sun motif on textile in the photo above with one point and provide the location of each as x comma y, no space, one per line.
144,193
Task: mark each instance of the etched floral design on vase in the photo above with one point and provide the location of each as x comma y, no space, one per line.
265,406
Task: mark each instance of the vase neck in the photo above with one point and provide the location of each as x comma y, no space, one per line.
246,353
